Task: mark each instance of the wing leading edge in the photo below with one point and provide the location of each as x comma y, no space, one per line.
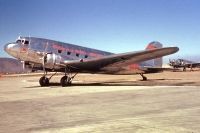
118,60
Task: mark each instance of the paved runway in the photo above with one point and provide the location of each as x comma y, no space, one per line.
167,103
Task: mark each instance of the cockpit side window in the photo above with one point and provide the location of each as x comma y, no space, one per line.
26,42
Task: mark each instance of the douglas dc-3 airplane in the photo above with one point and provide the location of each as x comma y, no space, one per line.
54,56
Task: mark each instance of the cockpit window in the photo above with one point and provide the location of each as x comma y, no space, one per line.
18,41
25,42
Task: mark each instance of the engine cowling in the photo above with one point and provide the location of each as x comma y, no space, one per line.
52,60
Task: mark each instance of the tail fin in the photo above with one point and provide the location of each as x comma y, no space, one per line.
153,45
158,61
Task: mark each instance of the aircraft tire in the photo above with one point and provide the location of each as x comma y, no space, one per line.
65,81
44,81
144,78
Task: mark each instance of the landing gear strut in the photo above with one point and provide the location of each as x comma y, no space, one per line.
64,81
184,69
143,77
44,81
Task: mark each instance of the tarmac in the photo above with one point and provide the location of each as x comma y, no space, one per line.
168,102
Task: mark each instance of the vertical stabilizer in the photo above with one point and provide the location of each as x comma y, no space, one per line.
158,61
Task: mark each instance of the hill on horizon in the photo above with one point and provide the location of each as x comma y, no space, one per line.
10,65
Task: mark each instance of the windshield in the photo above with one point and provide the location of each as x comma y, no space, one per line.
23,41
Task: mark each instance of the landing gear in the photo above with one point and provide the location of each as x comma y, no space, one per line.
184,69
65,81
143,77
44,81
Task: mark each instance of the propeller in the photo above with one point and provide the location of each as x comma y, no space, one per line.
44,57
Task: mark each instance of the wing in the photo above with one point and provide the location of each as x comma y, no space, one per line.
118,60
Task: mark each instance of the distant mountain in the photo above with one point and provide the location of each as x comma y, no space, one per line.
10,65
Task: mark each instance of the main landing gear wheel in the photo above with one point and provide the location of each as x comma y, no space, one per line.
44,81
65,81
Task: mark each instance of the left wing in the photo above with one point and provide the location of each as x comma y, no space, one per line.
118,60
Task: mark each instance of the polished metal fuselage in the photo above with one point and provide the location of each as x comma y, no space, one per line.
44,52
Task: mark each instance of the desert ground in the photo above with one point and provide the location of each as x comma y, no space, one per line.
168,102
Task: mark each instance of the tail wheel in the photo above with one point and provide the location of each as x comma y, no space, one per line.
65,81
143,77
44,81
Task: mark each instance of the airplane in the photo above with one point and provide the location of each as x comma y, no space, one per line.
182,63
54,56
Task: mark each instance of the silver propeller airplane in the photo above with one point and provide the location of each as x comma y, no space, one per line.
55,56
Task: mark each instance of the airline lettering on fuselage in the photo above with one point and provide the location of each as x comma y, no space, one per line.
58,47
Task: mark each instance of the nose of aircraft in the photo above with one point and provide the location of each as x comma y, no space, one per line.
11,48
8,47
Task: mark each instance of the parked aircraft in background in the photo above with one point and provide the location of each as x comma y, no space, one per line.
49,55
182,63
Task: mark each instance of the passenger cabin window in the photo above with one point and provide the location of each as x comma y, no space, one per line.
68,53
59,51
86,56
77,54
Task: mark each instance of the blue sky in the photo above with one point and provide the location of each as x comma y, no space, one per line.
110,25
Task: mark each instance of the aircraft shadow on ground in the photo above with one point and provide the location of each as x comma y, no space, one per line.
150,82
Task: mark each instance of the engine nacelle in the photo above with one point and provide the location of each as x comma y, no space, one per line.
52,60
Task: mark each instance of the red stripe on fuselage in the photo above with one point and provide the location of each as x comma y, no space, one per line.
58,47
134,66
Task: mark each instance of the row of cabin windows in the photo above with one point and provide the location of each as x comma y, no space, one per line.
68,53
